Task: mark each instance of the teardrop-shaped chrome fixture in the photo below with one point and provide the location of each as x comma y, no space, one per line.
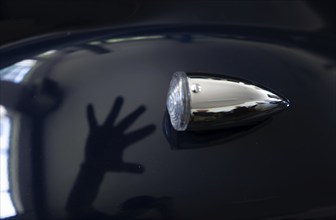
198,101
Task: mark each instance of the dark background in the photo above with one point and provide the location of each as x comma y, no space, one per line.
20,19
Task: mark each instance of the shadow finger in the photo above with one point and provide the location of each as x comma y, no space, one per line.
131,118
114,111
139,134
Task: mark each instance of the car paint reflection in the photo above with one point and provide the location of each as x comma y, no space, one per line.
7,208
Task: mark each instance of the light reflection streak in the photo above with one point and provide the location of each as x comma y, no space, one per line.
7,208
17,72
47,53
118,40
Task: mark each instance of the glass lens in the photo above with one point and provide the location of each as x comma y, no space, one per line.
178,101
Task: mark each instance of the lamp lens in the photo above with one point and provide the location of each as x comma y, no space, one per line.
178,101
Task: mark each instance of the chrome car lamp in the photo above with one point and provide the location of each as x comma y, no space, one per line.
198,101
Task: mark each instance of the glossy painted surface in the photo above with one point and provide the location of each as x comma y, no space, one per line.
72,154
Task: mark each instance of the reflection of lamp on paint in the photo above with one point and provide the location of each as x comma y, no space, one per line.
6,205
208,138
198,101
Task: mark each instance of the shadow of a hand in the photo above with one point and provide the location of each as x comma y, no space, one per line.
106,142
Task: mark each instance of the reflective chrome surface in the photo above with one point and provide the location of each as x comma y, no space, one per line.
217,101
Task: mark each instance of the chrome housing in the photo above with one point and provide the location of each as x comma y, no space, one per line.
217,102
